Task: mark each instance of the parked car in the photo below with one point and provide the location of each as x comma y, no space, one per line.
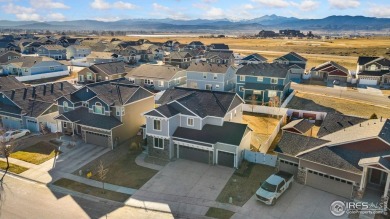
14,134
273,187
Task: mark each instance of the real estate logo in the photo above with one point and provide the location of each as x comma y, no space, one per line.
339,208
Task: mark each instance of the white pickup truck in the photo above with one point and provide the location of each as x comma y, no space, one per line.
273,187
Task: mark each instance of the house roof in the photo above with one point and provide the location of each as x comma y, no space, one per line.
218,46
201,102
219,54
159,72
110,68
196,43
10,83
101,55
29,61
334,122
331,67
53,47
82,116
119,91
294,143
301,125
208,67
4,56
254,56
179,55
292,56
264,69
229,133
362,60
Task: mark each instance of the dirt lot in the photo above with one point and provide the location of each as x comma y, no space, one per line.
262,126
329,104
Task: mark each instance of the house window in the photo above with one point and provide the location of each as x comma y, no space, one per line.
148,81
120,111
51,68
272,93
64,124
274,80
89,76
373,67
241,88
217,86
242,78
260,79
85,104
26,70
157,125
161,83
132,80
204,75
209,87
190,122
98,108
215,76
177,81
158,143
66,106
81,78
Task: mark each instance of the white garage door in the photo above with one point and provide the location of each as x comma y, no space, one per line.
329,184
288,166
368,82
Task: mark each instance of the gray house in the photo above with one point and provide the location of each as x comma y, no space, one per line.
56,52
220,57
297,64
157,77
77,51
218,77
8,56
198,125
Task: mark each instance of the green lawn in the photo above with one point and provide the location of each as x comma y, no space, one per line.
12,167
37,153
219,213
86,189
243,184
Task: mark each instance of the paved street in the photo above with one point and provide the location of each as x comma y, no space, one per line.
24,199
343,93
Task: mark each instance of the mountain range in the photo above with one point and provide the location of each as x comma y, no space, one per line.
268,22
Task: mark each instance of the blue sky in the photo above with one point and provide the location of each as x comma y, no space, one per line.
110,10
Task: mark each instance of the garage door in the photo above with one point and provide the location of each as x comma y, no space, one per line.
97,139
225,159
12,123
329,184
32,125
287,166
196,154
368,81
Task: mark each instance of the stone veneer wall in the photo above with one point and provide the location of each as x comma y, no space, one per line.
158,153
301,176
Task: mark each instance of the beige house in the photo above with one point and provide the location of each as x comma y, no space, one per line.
102,72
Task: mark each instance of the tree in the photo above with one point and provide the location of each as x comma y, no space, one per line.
253,102
6,148
373,116
102,172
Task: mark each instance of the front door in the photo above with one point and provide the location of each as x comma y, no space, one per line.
375,176
81,78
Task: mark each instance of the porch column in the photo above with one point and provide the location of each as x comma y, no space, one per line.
363,179
387,185
72,129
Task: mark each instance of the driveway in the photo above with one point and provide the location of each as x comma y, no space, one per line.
299,202
183,187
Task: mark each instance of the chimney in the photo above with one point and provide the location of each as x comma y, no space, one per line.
24,93
52,88
62,86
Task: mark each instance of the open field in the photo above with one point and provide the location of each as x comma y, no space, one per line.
262,126
330,104
87,189
343,51
37,153
12,167
244,182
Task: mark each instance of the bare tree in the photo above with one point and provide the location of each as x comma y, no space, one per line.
6,148
253,102
102,172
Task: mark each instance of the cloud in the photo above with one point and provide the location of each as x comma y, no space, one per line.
215,13
107,19
103,5
379,11
48,4
21,13
273,3
306,5
209,1
56,17
344,4
160,7
248,7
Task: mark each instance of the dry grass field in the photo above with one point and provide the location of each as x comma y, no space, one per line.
343,51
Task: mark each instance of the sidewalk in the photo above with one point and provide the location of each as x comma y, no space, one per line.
140,161
98,184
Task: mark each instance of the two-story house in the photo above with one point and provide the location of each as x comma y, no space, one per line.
33,107
331,72
220,57
198,125
34,67
196,45
8,56
180,59
56,52
297,64
102,72
206,76
264,83
218,47
105,113
373,71
77,51
157,77
253,59
171,45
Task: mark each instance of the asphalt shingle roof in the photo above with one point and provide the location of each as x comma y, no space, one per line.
10,83
362,60
264,69
334,122
254,56
293,143
110,68
162,72
302,125
207,67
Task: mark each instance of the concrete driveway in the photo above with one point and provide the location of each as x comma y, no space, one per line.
299,202
183,187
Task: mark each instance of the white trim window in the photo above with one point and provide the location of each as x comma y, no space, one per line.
119,111
66,106
217,86
132,80
161,83
274,80
148,81
260,79
272,93
158,143
157,125
98,108
190,121
241,88
89,76
204,75
81,78
215,77
64,124
242,77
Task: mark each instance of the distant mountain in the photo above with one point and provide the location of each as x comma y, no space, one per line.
268,22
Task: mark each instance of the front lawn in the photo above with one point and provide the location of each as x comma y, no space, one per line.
219,213
243,184
122,169
12,167
87,189
37,153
